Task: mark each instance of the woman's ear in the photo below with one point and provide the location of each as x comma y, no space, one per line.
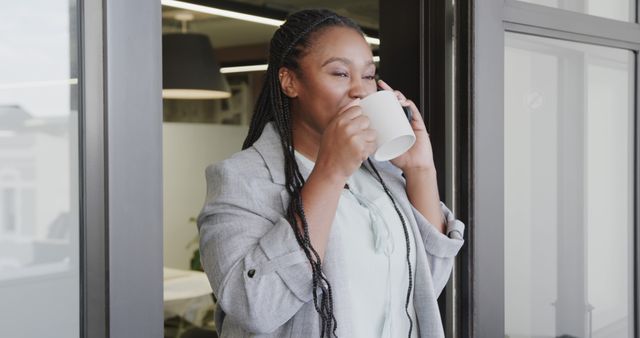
288,82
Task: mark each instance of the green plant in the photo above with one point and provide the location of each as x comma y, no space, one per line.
194,263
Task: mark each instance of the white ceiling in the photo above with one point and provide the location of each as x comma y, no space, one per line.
225,32
365,12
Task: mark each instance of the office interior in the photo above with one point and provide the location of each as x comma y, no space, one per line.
532,106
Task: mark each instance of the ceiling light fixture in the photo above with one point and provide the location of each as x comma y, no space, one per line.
237,15
243,69
189,68
259,68
372,41
222,12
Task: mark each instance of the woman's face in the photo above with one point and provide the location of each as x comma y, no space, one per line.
337,69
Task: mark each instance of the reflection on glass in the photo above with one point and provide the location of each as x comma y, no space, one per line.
568,127
622,10
39,245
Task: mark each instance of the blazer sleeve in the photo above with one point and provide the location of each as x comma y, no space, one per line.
257,270
441,248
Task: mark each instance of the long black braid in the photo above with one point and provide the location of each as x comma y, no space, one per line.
290,43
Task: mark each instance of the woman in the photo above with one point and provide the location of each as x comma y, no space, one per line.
302,235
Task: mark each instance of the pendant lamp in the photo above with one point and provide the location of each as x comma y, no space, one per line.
189,68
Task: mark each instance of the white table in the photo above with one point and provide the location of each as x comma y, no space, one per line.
187,293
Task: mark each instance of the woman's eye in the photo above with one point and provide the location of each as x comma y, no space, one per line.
370,77
341,74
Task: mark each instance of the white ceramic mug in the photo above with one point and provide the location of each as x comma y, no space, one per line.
388,119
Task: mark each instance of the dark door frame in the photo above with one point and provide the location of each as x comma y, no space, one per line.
450,60
121,168
427,57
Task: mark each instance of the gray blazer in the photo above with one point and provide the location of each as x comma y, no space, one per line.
261,276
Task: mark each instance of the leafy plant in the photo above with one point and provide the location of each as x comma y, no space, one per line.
194,263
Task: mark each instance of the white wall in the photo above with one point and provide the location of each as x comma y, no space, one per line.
187,150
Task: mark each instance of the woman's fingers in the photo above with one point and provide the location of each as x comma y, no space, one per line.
401,98
349,114
416,117
370,136
384,85
414,109
362,121
368,139
369,150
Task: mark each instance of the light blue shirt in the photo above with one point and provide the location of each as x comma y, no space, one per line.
376,260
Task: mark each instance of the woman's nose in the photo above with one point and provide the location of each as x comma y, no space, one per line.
358,89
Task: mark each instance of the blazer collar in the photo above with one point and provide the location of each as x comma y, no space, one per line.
269,147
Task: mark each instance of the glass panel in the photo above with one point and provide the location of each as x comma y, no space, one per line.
39,220
568,189
623,10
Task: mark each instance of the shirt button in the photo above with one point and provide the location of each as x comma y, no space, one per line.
251,273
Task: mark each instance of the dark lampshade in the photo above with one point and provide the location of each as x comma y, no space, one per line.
189,69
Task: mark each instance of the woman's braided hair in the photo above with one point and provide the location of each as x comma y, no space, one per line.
288,45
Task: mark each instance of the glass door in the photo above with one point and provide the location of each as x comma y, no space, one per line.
39,169
80,169
568,188
555,169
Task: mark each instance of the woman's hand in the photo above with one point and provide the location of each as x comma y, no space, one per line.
419,169
346,143
420,156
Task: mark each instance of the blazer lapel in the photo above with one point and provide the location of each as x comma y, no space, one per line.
269,147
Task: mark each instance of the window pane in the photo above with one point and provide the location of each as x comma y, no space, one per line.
39,227
623,10
568,189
